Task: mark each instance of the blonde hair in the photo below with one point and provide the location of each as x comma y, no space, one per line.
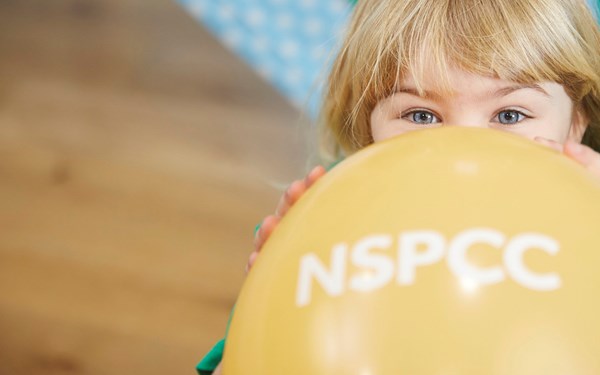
524,41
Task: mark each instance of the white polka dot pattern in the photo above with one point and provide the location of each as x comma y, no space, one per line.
288,42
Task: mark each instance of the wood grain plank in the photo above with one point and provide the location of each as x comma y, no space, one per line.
136,156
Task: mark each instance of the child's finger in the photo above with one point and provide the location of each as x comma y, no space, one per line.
291,195
267,226
549,143
296,189
251,260
584,155
316,173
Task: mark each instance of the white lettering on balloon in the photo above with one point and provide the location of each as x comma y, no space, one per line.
417,249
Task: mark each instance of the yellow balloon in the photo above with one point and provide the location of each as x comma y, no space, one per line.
452,251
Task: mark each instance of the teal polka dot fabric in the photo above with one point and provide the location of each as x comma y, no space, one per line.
288,42
595,5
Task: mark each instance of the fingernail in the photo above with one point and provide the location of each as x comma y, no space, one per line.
252,258
309,176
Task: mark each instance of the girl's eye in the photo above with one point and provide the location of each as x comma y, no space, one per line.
421,117
510,117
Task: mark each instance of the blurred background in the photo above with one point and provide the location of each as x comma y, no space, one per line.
136,156
137,153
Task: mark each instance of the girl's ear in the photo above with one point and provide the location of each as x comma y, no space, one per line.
579,124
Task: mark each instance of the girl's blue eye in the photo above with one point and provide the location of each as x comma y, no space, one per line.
510,117
422,117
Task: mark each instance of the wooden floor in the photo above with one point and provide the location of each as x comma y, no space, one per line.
136,156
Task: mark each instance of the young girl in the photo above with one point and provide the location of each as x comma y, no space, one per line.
531,67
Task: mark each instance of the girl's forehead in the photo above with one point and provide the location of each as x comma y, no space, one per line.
436,80
463,83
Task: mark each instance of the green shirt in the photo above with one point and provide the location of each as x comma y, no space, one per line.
211,360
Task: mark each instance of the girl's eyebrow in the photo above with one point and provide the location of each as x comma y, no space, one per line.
498,93
413,91
510,89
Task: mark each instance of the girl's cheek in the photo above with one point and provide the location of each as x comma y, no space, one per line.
385,133
520,131
539,129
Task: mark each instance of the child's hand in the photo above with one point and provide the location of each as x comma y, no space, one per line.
291,195
578,152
